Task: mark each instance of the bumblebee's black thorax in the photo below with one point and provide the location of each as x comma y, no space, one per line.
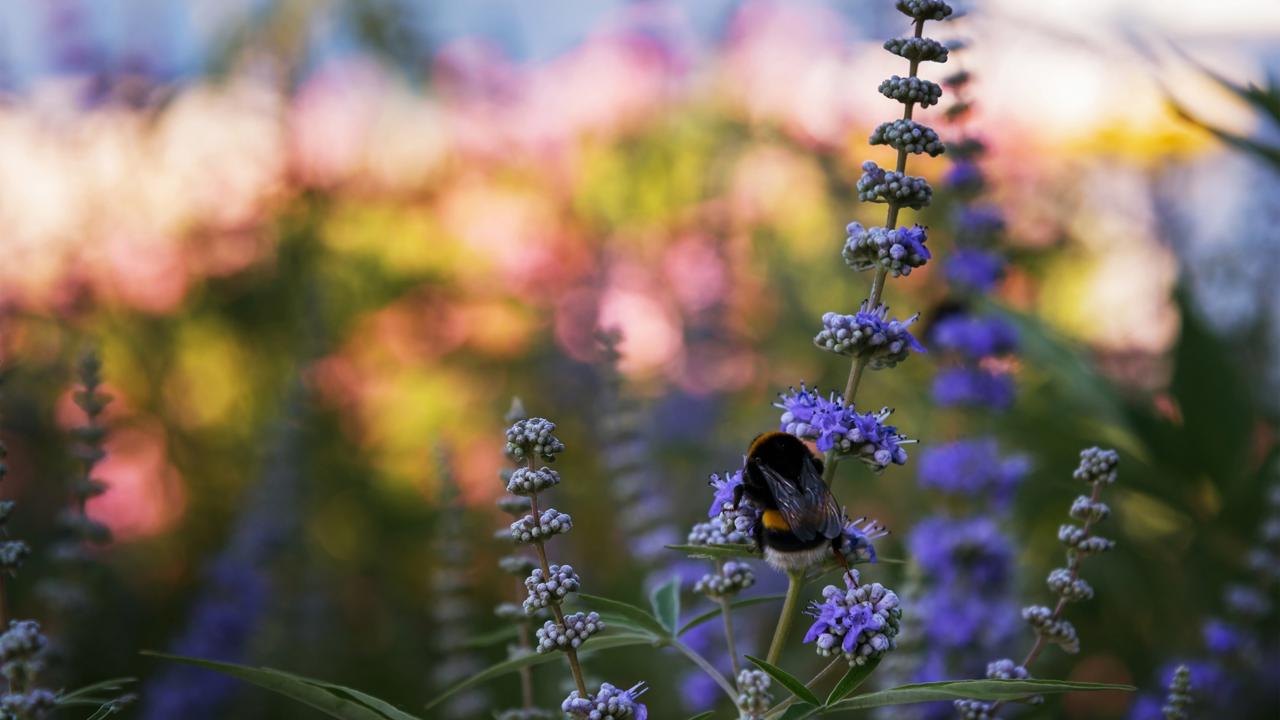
785,454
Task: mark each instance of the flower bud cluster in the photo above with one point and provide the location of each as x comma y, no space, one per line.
1054,630
924,9
543,589
908,136
729,579
908,90
529,529
860,621
1097,466
878,185
1180,698
754,698
897,250
609,703
869,334
713,533
917,49
576,629
1063,583
531,438
527,481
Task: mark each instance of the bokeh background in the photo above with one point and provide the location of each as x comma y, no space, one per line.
320,245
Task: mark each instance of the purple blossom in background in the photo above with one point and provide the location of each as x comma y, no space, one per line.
964,175
978,224
974,336
235,598
962,551
972,467
974,270
973,387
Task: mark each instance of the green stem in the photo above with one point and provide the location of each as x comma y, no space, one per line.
727,613
708,668
795,581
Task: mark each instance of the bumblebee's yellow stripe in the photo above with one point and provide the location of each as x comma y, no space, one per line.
773,520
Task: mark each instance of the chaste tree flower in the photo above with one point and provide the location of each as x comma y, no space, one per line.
1098,469
530,440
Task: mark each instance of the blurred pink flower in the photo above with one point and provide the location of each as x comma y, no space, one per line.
695,272
146,495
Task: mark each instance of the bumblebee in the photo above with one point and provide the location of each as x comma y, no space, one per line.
800,521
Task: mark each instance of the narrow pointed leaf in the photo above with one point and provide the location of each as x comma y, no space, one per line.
799,711
790,682
703,716
107,686
666,604
717,552
972,689
715,612
856,676
629,615
604,642
391,712
296,688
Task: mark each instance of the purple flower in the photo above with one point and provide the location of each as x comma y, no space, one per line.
868,334
973,387
832,424
968,551
965,176
858,538
974,270
898,250
975,336
725,486
608,703
1221,638
972,467
978,224
862,619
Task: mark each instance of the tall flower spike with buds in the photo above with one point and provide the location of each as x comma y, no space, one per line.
520,564
530,440
1098,468
67,590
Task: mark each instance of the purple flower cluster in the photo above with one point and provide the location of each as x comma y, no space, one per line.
974,336
973,387
974,271
897,250
972,468
832,424
860,621
869,334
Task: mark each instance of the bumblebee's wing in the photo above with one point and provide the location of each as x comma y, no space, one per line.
805,503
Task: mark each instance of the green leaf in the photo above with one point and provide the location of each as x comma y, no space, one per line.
305,691
387,709
973,689
666,603
717,552
715,612
605,642
703,716
856,676
787,680
88,691
625,614
799,711
502,634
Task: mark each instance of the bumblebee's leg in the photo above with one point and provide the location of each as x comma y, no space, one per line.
737,496
821,465
840,558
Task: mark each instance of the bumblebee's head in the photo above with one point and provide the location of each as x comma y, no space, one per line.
781,451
